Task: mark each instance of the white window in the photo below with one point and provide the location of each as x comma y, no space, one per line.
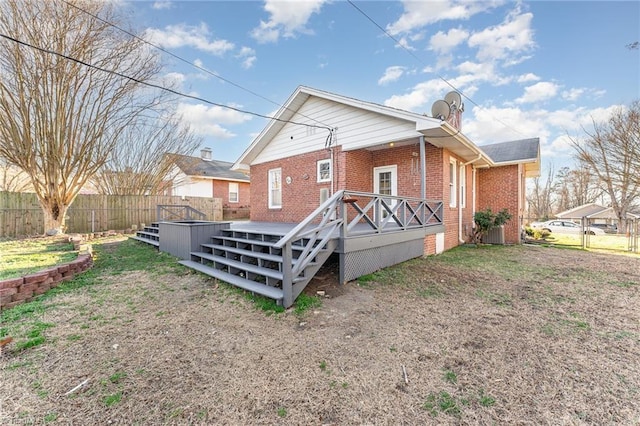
275,188
324,171
233,192
463,186
452,182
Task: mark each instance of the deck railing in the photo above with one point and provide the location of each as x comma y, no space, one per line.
340,215
171,213
387,213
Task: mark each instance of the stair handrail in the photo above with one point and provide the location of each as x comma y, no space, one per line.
330,222
187,216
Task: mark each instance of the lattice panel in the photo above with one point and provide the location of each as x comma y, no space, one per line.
363,262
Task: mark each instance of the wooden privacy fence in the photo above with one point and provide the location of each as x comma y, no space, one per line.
20,213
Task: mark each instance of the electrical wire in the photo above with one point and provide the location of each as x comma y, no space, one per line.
157,86
423,64
173,55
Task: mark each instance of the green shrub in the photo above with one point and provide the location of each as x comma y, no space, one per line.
486,220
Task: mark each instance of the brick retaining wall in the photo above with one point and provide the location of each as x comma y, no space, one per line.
14,291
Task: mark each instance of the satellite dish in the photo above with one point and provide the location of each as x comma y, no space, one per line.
453,99
440,109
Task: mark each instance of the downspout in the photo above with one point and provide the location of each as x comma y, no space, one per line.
423,169
464,167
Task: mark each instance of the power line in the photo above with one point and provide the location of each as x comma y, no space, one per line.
157,86
173,55
422,62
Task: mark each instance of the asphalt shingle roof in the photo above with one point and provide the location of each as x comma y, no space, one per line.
505,152
196,166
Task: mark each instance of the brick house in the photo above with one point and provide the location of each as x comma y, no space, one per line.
320,143
204,177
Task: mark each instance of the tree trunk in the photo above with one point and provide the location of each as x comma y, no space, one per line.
54,216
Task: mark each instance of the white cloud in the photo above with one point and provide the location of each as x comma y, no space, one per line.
248,57
553,127
538,92
391,74
496,124
506,41
174,79
527,78
572,94
159,5
445,42
423,94
418,14
181,35
287,19
209,120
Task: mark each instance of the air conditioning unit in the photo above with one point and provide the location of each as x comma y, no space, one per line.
494,236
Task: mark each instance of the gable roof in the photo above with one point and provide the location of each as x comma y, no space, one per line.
581,211
437,132
608,213
525,151
593,211
508,152
208,169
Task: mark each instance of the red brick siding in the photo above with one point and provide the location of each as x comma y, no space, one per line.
429,245
497,188
408,180
221,190
353,170
299,198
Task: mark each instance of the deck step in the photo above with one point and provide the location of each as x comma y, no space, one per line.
151,234
255,254
295,246
266,272
265,290
243,252
145,240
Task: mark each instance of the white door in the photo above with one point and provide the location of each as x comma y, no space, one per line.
385,182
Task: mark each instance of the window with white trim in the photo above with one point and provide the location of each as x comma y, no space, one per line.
234,192
463,186
324,170
275,188
452,182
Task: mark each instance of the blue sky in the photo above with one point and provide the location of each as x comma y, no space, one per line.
528,69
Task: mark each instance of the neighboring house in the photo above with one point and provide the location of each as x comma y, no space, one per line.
579,212
378,149
204,177
597,215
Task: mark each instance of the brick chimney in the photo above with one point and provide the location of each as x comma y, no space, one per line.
205,154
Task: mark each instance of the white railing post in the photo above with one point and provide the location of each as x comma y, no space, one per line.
287,275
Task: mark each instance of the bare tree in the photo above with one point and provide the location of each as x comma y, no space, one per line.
575,187
540,197
612,153
60,118
13,179
140,162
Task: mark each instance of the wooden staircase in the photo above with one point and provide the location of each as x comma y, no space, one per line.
149,234
255,262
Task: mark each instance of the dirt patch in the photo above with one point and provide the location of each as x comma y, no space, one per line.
545,336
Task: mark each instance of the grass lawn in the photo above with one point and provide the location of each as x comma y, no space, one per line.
488,335
608,242
25,256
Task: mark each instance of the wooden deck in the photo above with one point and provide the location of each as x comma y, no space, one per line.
367,232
